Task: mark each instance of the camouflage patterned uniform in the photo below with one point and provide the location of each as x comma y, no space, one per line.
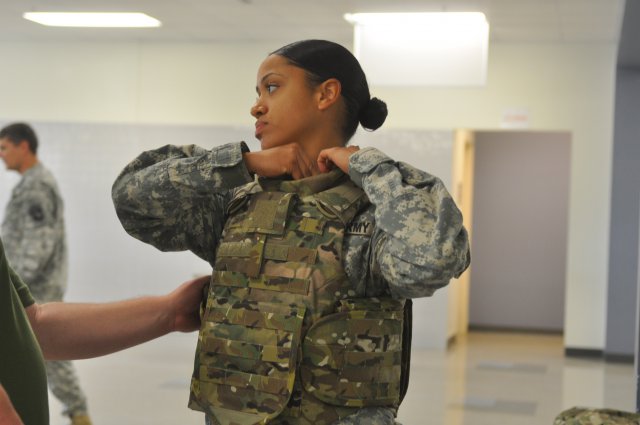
408,242
586,416
34,239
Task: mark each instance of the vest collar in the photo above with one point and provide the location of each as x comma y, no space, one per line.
304,187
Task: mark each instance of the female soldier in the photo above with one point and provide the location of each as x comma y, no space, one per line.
307,317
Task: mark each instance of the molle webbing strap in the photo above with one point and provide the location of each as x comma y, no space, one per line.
237,379
271,283
271,251
246,255
256,319
267,353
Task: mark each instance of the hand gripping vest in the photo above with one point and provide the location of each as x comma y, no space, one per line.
284,336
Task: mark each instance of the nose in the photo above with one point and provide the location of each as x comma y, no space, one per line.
258,109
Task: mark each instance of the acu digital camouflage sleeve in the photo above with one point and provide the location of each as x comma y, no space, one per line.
418,242
30,239
175,197
33,234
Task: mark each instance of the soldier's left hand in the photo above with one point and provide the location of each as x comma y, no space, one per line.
184,304
336,157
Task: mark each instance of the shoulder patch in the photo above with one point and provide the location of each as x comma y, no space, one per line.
362,228
36,212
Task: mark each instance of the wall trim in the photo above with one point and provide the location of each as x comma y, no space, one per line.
507,329
619,358
591,353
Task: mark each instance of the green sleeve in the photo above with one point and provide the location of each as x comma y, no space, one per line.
21,288
22,372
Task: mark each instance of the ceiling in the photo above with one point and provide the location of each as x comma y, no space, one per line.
288,20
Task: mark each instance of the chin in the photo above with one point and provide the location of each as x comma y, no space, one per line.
265,143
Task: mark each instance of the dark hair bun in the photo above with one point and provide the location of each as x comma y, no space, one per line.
373,114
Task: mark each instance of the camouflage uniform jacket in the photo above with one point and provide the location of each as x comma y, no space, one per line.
34,235
407,243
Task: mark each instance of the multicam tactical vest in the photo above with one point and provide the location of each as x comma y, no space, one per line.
587,416
284,337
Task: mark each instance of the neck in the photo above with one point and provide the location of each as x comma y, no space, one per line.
27,164
313,147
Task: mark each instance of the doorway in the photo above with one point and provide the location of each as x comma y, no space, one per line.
519,244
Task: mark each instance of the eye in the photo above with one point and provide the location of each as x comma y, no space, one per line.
271,88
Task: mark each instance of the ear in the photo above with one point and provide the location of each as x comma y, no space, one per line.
328,93
24,146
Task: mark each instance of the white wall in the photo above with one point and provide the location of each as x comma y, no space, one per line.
564,87
130,83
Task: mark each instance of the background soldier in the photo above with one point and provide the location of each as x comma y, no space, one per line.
34,237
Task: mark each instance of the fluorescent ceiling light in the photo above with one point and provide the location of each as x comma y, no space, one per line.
422,49
98,20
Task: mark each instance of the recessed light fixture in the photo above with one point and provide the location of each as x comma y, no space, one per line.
91,19
422,49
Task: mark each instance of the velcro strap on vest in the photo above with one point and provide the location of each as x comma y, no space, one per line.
289,253
311,225
267,213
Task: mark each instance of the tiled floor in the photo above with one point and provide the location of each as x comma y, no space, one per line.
483,379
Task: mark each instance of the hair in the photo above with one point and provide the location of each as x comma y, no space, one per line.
323,60
19,131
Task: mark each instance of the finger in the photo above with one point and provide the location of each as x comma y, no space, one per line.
303,166
325,165
324,162
311,167
296,172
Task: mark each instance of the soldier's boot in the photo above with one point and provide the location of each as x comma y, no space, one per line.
81,419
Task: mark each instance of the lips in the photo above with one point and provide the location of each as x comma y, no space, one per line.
259,129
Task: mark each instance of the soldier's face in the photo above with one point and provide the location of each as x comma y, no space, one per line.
285,109
11,154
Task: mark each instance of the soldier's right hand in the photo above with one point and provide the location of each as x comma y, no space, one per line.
279,161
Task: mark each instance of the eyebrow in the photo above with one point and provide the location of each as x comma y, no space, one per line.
265,77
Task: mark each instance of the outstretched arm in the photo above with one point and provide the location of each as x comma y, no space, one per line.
78,331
